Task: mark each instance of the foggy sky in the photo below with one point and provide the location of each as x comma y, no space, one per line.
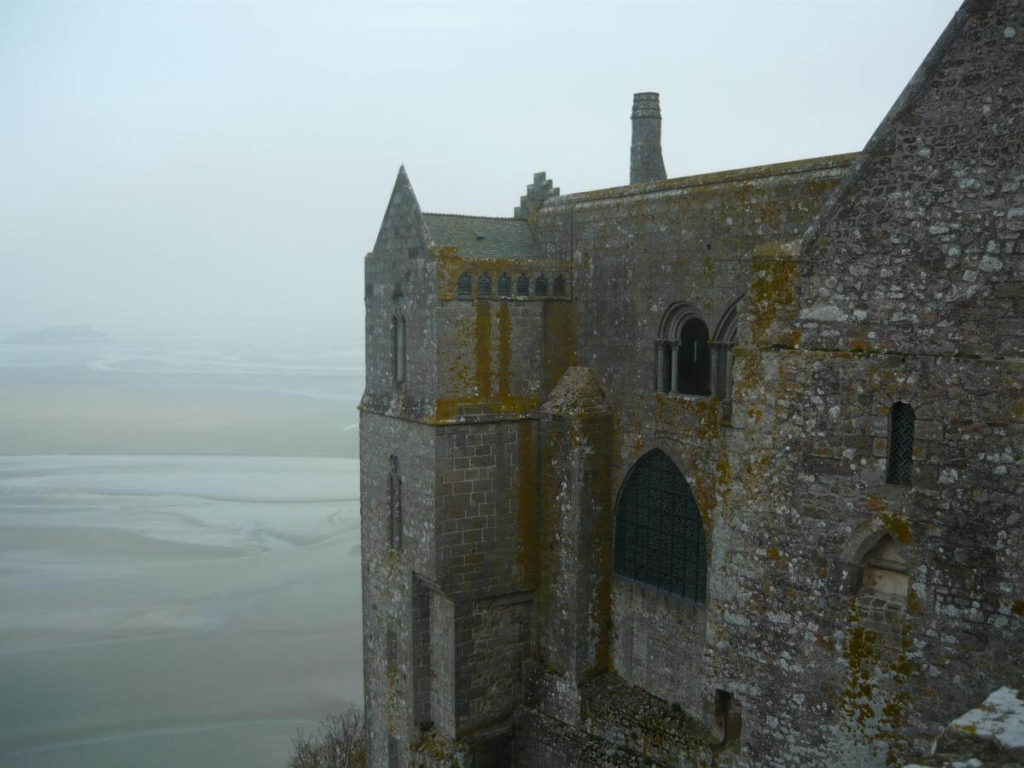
169,165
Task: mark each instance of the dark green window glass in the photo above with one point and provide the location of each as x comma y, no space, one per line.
659,534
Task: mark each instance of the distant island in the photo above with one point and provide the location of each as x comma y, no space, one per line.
57,334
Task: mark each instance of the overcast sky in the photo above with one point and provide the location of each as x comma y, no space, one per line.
172,164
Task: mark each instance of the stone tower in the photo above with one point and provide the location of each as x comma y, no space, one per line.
465,320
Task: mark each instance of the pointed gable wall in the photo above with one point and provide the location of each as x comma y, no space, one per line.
400,282
403,226
923,248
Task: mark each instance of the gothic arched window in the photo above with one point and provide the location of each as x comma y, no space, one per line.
483,286
465,285
901,444
659,534
523,286
504,285
540,286
394,504
559,285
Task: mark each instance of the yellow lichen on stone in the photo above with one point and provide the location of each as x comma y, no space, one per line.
899,527
772,290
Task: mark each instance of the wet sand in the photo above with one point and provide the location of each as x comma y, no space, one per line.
189,599
174,421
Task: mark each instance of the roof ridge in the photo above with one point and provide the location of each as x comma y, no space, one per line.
729,176
472,216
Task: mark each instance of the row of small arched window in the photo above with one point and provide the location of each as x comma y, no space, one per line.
504,287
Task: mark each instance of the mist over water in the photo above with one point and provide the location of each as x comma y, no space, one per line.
179,547
309,363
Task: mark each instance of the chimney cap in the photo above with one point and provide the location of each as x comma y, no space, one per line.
646,104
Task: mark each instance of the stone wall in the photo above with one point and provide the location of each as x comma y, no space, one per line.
888,302
635,251
394,622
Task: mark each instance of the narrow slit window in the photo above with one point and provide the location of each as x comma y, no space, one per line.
901,444
398,348
395,366
394,504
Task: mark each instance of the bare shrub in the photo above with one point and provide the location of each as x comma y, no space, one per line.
337,743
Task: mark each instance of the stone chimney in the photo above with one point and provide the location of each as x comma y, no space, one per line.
645,163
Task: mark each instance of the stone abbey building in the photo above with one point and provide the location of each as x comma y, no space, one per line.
718,470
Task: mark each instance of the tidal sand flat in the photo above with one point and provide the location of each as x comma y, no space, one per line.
179,573
179,565
174,610
132,420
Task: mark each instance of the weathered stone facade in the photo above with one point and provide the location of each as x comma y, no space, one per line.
719,470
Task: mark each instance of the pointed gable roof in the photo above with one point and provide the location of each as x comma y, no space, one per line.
885,137
403,219
915,249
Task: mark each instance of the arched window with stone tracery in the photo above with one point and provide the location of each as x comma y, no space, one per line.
683,353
